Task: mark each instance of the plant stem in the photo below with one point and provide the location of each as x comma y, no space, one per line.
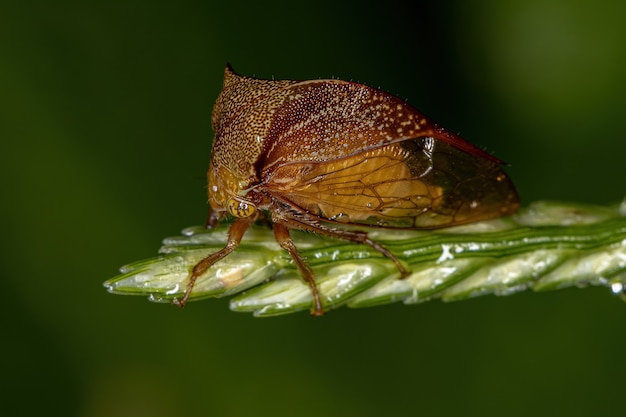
545,246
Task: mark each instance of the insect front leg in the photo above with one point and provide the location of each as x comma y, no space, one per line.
235,233
212,218
281,232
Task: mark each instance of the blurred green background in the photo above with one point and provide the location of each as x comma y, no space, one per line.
105,126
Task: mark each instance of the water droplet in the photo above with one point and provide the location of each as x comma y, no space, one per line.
189,231
155,298
619,289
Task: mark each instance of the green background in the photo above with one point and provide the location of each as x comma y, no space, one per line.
105,128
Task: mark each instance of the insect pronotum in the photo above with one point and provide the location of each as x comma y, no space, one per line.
318,155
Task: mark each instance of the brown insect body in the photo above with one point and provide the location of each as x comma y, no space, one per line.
314,154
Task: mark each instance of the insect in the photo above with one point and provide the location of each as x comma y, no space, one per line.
323,154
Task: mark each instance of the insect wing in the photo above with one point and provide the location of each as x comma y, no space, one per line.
419,183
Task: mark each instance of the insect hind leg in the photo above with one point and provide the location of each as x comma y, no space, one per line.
362,237
357,236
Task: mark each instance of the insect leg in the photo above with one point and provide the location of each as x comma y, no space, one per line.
386,252
212,218
235,233
281,232
357,236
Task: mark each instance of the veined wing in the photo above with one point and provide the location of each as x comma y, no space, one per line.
418,183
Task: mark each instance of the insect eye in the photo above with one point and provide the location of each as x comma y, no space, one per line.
240,208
